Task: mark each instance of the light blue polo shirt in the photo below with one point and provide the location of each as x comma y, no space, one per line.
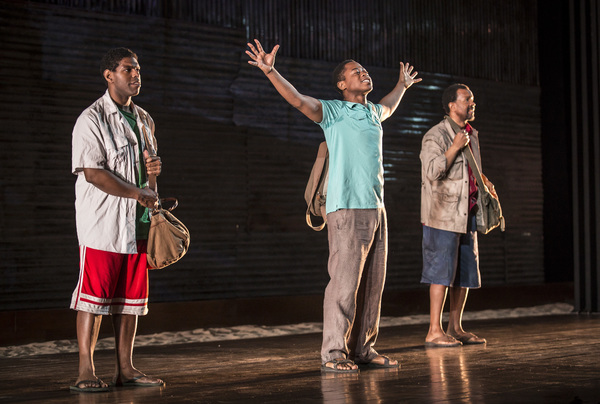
354,138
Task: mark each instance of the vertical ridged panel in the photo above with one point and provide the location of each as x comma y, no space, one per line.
234,152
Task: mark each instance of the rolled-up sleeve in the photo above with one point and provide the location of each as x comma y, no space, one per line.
88,150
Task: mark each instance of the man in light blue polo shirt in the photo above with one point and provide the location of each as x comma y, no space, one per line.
357,224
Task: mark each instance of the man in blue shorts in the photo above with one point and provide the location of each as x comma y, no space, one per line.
357,224
449,216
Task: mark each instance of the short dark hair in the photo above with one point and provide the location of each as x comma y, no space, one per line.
450,94
338,74
113,57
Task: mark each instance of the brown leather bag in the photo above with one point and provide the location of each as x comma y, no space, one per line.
315,193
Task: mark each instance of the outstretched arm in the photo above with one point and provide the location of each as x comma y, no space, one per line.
309,106
391,101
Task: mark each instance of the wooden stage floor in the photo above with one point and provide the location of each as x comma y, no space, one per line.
551,359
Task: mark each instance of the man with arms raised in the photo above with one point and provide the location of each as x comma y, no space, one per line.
357,224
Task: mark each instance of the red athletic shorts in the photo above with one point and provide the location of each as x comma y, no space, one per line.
111,282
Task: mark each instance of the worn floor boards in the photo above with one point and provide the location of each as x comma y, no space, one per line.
550,359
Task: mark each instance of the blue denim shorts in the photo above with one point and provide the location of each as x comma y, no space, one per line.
451,259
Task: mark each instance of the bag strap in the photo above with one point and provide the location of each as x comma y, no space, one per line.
318,168
468,153
151,178
158,206
309,220
149,145
316,176
474,167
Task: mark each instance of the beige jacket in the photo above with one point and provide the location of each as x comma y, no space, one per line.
445,190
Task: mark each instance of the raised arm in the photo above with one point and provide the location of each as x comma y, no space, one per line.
391,101
309,106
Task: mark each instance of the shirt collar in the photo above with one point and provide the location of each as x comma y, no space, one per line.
111,106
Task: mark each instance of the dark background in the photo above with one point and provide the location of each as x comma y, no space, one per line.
238,157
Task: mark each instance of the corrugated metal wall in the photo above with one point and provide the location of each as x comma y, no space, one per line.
494,40
234,152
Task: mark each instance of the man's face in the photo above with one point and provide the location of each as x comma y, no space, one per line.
356,79
464,106
125,81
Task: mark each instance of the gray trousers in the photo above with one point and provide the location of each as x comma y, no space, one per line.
357,265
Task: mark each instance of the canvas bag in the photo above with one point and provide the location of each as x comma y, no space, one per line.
491,211
315,193
168,238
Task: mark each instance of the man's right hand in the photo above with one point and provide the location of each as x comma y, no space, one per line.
309,106
461,139
264,61
147,197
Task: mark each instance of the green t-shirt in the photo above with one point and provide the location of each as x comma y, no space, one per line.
142,225
354,138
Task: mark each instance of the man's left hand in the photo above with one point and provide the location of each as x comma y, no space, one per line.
153,165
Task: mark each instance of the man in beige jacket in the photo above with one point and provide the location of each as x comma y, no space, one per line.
449,216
